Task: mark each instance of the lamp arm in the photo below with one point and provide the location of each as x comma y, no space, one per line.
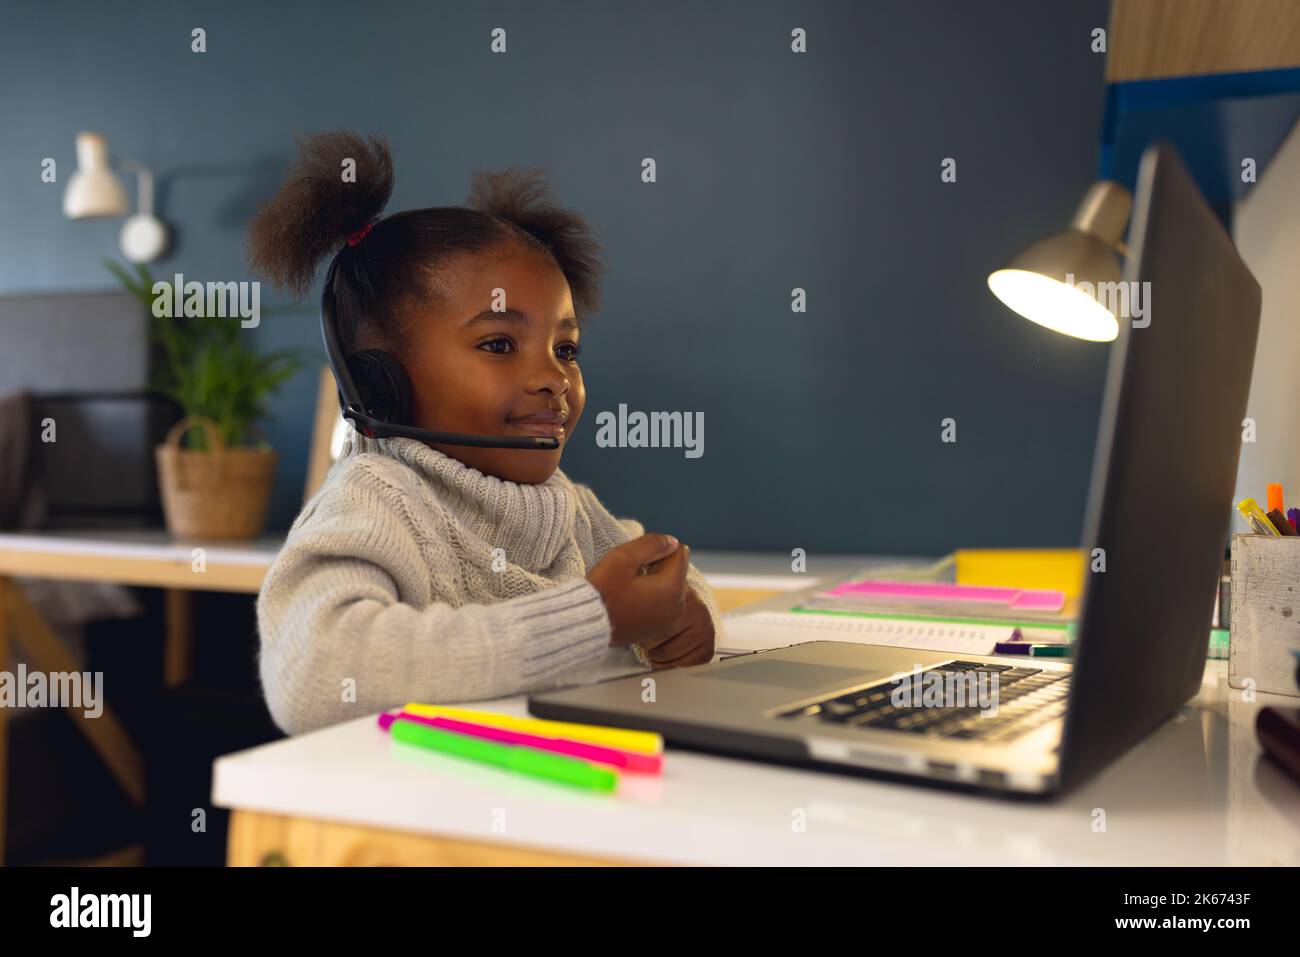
144,189
1103,213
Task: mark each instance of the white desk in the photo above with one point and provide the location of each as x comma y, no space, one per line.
1197,792
153,558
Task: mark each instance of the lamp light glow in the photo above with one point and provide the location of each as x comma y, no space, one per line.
1042,282
1057,305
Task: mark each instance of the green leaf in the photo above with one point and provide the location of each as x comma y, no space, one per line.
209,367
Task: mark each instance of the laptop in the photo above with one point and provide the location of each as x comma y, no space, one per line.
1159,507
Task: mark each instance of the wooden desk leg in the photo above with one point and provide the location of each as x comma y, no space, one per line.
4,724
44,652
178,651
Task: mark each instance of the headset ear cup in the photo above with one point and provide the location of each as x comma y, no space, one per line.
384,386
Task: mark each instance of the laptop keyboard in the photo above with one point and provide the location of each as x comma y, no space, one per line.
1027,698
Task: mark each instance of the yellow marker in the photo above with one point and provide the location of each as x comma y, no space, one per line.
1257,518
645,742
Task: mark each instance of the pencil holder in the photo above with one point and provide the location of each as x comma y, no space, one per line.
1265,625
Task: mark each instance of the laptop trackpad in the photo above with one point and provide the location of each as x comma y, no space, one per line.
786,674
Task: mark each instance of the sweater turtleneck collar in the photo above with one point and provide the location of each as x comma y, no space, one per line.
530,522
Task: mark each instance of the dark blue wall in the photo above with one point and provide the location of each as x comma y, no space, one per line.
776,170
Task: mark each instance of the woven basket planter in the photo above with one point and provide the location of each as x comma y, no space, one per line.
220,493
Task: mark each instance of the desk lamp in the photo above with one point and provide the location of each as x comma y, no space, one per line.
1040,283
94,190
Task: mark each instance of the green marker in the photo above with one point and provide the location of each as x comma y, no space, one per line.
1049,651
512,757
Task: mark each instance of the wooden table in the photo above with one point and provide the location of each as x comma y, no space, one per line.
149,558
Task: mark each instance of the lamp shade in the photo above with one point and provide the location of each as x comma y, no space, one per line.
94,189
1041,284
1053,282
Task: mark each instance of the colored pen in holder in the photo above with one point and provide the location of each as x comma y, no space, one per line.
1256,517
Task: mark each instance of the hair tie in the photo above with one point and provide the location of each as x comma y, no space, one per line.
360,234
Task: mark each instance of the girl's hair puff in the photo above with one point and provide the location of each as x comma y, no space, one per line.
404,257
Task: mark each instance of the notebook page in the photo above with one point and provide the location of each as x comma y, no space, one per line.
761,630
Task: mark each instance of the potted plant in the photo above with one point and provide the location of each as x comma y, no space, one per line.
214,474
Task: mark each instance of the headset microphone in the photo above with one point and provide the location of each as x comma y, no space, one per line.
375,391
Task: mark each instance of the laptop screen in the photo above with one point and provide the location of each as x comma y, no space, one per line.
1169,439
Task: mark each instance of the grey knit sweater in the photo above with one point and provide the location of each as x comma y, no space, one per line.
410,576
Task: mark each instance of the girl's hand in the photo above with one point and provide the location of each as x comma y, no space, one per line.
692,637
644,604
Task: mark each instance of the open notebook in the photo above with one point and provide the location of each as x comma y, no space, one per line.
760,630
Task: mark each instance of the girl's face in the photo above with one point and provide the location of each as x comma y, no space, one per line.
509,373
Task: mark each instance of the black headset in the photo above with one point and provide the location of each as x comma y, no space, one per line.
375,391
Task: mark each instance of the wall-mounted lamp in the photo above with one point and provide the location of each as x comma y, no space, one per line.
1041,282
95,190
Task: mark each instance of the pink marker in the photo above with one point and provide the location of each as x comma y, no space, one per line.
627,760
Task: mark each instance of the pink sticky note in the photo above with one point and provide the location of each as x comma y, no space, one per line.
1019,599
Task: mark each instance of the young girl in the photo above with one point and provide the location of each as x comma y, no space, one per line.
441,573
